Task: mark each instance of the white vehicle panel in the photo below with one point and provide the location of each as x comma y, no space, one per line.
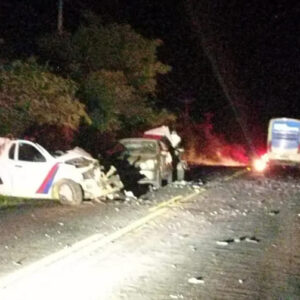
28,170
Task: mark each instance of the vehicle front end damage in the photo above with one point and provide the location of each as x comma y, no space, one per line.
95,182
28,170
101,185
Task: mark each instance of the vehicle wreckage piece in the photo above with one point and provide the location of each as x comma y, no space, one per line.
164,131
28,170
150,158
173,141
156,156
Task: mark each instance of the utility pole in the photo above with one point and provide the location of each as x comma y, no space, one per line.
60,17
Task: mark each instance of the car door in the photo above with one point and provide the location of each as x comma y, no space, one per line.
30,170
7,170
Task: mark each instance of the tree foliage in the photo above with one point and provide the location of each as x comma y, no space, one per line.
117,69
30,94
115,47
113,102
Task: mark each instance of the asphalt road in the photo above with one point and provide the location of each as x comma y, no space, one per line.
234,237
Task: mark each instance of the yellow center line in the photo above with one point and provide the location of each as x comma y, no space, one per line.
236,174
97,241
165,203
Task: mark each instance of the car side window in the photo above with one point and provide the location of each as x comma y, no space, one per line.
11,153
29,153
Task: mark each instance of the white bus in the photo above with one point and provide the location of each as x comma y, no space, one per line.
283,144
284,141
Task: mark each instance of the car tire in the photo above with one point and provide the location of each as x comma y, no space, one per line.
68,192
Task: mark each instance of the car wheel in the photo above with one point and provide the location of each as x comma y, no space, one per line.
68,192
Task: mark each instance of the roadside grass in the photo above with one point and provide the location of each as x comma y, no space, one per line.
6,201
11,202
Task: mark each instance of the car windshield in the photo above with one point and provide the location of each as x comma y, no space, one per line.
140,147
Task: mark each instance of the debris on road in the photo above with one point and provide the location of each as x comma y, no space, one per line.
176,296
129,195
248,239
252,239
195,185
196,280
274,212
225,243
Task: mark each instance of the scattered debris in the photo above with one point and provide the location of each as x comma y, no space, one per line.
129,195
222,243
196,280
193,248
240,239
251,239
225,242
196,185
97,200
274,212
19,262
176,296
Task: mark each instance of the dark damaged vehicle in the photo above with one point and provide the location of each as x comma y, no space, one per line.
151,157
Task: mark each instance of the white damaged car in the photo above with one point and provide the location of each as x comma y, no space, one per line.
28,170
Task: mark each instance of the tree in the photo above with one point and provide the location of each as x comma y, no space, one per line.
96,46
116,67
113,103
30,94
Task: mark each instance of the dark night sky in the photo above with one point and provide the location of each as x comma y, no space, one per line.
256,45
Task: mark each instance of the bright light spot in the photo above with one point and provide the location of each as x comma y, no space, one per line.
92,277
260,164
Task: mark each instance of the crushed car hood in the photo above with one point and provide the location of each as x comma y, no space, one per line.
77,157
